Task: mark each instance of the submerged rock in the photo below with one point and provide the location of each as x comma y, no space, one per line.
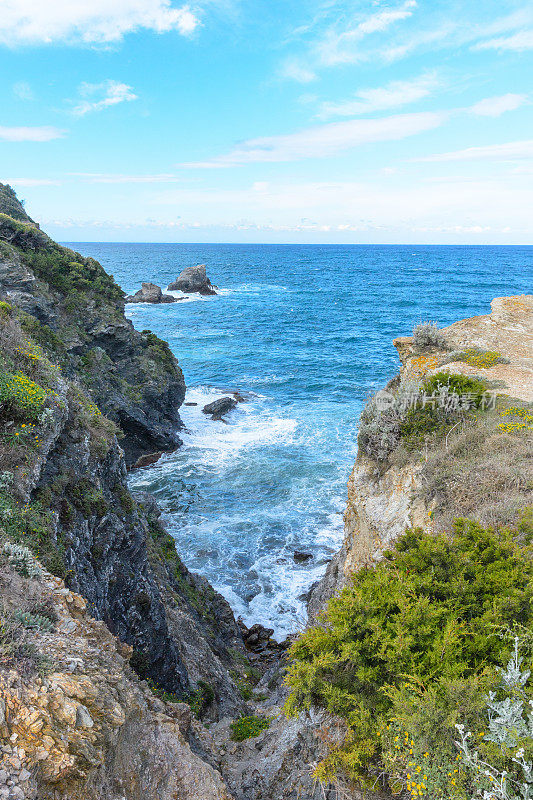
219,407
193,279
150,293
301,557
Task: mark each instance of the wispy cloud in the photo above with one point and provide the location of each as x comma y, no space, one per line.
510,151
326,140
393,95
94,177
23,90
339,41
95,22
496,106
522,40
102,95
341,46
45,133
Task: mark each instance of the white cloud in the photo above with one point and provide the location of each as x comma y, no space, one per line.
23,182
394,94
296,70
326,140
93,177
522,40
89,21
495,106
102,95
28,134
23,90
510,151
341,46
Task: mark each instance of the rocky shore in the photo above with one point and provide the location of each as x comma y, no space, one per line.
124,676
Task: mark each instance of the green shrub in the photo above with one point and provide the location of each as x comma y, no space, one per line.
450,397
427,334
22,560
33,621
55,265
246,727
431,610
21,397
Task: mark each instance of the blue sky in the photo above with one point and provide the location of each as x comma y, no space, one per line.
269,121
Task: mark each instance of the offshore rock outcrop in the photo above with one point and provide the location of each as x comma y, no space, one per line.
150,293
476,474
193,279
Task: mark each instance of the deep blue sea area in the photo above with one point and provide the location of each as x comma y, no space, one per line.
306,332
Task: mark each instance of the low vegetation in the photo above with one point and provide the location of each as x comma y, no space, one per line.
247,727
427,334
416,414
411,648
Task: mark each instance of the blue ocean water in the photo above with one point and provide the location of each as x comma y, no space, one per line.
306,333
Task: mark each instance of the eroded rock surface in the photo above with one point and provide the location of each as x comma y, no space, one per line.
150,293
193,279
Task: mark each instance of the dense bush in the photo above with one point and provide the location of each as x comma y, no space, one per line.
412,413
427,615
55,265
246,727
427,334
20,397
443,399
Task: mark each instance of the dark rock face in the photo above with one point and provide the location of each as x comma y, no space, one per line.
150,293
219,407
132,377
110,547
193,279
302,557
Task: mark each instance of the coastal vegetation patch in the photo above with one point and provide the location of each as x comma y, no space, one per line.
247,727
411,648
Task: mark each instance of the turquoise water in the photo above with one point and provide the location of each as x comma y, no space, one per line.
306,333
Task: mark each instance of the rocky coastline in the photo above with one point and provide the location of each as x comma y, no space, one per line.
124,676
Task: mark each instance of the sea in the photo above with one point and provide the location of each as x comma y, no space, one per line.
305,333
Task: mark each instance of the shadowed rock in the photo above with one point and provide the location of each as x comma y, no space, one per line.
193,279
219,407
150,293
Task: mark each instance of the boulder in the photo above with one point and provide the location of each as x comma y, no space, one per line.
219,407
193,279
150,293
302,557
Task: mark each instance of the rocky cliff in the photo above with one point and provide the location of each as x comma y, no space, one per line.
480,468
67,356
111,651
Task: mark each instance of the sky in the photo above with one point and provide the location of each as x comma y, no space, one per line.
372,121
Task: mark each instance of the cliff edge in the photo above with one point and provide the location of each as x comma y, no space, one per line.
473,462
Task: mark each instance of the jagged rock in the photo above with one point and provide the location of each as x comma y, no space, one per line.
150,293
133,377
90,728
302,557
193,279
219,407
147,460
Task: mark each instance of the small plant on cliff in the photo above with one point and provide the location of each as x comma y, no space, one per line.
20,397
506,773
430,610
427,334
34,621
22,560
246,727
444,399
